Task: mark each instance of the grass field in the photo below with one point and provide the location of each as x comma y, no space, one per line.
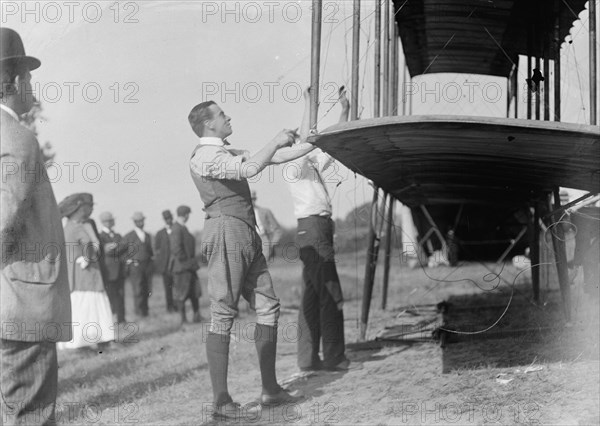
158,374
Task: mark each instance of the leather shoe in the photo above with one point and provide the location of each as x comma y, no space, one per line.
317,365
342,366
282,397
229,411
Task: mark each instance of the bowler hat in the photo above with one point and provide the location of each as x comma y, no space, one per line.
70,204
138,216
12,51
166,214
106,216
183,210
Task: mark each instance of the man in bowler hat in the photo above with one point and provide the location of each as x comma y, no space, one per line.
35,306
184,265
162,255
139,263
113,250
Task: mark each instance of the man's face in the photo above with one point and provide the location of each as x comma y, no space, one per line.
185,217
220,123
139,223
109,223
169,221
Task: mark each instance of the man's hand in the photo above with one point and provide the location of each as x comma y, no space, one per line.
285,138
342,98
307,93
110,246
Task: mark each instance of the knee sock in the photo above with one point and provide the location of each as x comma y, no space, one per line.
265,337
217,353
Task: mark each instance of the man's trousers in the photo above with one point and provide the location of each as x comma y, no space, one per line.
237,267
321,315
140,276
168,284
116,295
28,382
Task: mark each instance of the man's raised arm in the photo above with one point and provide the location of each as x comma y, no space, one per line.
302,148
345,105
257,162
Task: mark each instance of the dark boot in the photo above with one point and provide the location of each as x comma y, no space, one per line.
217,354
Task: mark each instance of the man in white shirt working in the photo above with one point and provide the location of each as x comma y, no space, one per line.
321,316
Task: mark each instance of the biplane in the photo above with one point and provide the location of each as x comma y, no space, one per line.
443,167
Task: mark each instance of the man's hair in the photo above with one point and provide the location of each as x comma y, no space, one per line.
198,115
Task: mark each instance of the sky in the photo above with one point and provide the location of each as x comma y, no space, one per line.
118,80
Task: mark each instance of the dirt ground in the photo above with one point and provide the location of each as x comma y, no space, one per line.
547,374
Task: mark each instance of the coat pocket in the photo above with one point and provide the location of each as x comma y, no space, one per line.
43,272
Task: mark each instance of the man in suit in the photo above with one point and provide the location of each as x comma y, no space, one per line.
184,265
35,305
162,255
139,264
113,249
268,228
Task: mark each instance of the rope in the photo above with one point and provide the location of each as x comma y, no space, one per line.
585,118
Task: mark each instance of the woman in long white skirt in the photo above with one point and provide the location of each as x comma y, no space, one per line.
91,313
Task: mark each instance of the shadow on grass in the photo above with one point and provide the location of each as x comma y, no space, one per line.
126,395
309,410
491,330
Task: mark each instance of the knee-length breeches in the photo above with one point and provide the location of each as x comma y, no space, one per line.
237,267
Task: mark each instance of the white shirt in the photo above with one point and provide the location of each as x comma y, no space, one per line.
108,231
10,112
216,161
308,184
140,233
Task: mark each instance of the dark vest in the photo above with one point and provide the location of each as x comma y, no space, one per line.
225,197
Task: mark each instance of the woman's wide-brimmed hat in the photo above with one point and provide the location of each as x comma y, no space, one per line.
70,204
